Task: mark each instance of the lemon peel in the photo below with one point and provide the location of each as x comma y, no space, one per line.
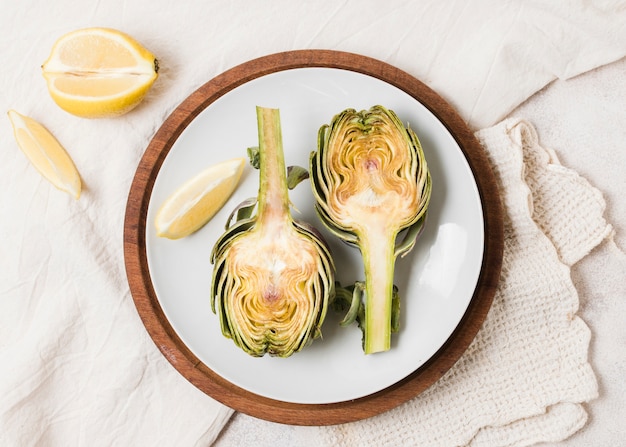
45,153
197,200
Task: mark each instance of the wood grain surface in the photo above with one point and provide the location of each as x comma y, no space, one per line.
207,380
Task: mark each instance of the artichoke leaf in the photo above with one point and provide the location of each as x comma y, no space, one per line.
254,157
350,301
296,175
410,238
241,212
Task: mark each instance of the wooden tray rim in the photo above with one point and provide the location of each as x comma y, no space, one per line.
196,372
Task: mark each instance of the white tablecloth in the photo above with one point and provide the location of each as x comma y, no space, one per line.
76,365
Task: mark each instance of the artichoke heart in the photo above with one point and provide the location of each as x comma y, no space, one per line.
371,183
273,276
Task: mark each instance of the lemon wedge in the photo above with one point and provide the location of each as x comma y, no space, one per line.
197,200
99,72
45,153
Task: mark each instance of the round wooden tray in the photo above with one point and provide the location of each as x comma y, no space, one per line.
179,355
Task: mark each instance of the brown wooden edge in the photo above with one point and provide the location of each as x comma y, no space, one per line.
203,377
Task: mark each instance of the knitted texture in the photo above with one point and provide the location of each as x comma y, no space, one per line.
525,375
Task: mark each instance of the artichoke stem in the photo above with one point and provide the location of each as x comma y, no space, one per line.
273,193
378,259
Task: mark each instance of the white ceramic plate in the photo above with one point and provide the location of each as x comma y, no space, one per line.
436,280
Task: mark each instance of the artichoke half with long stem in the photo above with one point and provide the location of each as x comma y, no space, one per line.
273,276
372,187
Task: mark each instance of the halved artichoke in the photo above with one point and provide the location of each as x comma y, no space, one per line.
371,182
273,276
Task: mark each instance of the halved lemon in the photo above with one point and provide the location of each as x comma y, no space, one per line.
46,153
99,72
197,200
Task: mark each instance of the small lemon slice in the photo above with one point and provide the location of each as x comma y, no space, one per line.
45,153
99,72
197,200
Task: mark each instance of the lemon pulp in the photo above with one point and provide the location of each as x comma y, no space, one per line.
46,153
197,200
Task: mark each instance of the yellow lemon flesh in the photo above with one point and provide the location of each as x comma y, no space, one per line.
99,72
46,153
197,200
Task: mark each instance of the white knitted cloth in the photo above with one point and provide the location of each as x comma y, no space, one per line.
524,377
